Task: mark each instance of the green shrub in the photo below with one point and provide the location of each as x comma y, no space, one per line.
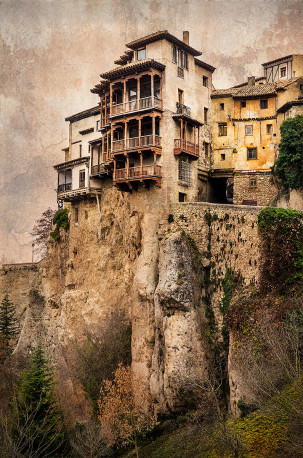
60,220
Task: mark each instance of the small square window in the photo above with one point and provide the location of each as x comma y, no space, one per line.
206,149
264,103
182,197
249,130
205,81
221,106
243,103
283,72
252,183
269,129
141,54
223,157
222,130
251,153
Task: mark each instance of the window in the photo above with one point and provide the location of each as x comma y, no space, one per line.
205,115
185,61
180,58
180,97
206,149
76,215
222,129
141,54
252,183
98,125
249,130
223,157
80,150
264,103
174,54
182,197
82,179
243,103
282,72
184,172
251,153
221,106
269,129
205,81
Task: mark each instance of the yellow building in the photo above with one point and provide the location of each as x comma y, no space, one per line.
246,123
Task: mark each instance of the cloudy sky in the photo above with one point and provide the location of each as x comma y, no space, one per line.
52,53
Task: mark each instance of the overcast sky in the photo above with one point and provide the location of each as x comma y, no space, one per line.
52,52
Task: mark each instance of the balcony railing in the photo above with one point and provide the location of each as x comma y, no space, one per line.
98,169
184,146
64,187
183,109
135,105
136,142
146,171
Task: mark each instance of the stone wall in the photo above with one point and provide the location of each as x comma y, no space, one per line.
263,191
229,240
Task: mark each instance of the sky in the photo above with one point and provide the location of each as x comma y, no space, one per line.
52,53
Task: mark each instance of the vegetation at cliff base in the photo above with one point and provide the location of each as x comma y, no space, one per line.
289,165
60,220
9,326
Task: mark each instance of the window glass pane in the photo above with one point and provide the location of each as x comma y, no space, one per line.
174,54
141,54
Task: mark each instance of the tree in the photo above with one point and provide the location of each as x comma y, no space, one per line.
9,326
99,356
41,231
36,423
123,410
289,165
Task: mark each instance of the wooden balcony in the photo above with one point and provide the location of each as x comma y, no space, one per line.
135,105
183,109
99,170
64,187
139,173
136,143
186,147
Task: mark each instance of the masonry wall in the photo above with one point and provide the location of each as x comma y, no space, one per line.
227,236
257,186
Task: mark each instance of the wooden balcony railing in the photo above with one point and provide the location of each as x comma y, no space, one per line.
134,105
136,142
183,109
96,169
64,187
184,146
146,171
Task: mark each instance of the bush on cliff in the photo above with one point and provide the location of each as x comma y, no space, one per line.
60,220
289,165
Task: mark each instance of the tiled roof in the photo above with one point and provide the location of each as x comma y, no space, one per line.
103,86
258,90
84,114
281,59
131,67
202,64
162,34
258,78
288,105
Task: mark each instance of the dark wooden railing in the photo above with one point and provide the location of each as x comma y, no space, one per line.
64,187
183,109
134,105
136,142
184,146
99,168
145,171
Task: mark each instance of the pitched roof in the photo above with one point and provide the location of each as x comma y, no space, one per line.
132,67
84,114
258,90
160,35
280,59
202,64
288,105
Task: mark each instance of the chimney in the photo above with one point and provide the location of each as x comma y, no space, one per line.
251,80
186,37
